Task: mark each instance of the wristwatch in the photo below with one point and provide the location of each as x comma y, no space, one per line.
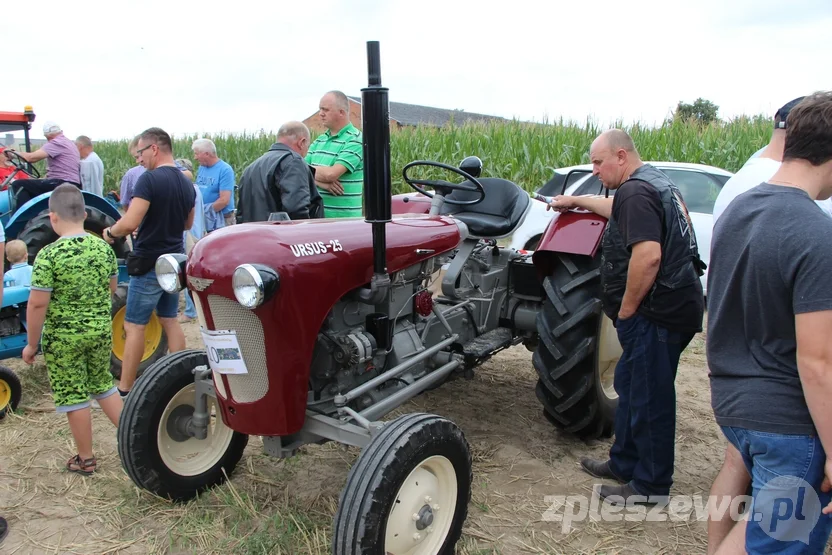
110,235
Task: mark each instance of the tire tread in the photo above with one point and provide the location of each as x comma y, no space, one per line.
361,511
565,358
136,427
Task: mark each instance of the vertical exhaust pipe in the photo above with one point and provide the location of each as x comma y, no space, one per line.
375,114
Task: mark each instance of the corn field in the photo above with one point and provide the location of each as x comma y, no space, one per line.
521,152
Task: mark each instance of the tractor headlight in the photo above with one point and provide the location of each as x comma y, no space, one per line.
170,272
254,284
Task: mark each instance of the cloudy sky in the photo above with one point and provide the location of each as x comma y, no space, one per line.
109,69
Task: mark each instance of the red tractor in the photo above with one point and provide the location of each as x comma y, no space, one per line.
315,330
20,169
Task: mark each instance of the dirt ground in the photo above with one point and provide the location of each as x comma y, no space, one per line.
273,506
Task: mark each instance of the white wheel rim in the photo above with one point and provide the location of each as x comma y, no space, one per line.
193,456
430,490
609,352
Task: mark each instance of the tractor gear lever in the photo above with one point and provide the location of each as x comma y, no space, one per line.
471,165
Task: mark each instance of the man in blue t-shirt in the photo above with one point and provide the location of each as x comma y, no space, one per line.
215,179
162,208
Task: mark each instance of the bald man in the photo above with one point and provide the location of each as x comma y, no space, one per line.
280,180
651,291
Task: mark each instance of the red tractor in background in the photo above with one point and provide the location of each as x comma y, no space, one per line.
316,329
16,121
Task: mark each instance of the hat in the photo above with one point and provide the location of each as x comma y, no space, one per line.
51,127
781,114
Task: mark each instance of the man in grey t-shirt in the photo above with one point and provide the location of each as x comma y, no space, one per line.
92,168
769,324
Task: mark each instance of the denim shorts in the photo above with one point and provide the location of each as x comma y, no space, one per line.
786,474
144,295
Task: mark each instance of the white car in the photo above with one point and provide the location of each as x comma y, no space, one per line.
699,184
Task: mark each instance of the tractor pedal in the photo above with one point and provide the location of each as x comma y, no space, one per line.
488,343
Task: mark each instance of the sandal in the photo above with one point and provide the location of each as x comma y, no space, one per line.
85,467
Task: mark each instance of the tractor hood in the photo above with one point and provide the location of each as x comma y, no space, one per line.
313,254
317,263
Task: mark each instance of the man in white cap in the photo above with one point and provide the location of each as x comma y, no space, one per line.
63,164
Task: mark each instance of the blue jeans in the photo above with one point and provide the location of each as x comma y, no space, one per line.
144,295
190,309
783,511
645,421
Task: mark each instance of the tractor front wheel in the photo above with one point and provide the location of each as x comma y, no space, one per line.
577,350
155,452
408,492
10,391
155,339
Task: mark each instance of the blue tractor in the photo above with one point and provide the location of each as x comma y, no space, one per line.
30,223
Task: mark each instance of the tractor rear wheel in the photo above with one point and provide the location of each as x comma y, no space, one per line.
577,350
10,391
153,449
408,492
38,232
155,339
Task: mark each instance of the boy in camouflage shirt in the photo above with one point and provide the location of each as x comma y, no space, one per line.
70,301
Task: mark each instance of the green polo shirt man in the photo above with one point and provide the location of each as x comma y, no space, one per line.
338,158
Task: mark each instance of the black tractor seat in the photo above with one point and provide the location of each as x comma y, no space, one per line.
501,211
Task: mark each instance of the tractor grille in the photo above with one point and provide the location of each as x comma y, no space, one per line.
218,384
230,315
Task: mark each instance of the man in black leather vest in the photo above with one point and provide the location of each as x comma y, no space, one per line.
650,288
280,180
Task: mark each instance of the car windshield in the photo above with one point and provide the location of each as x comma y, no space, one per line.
699,189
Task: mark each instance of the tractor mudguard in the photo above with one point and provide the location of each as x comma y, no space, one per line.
572,233
40,203
318,262
17,294
4,204
410,204
91,199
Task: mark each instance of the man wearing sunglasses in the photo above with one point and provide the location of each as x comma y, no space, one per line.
161,209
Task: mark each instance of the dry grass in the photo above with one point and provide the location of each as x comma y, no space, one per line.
286,506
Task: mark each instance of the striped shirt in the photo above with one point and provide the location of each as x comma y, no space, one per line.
344,148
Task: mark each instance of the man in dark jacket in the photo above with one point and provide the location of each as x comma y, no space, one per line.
650,289
280,180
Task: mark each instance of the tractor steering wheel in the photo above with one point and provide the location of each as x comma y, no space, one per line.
439,184
21,164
